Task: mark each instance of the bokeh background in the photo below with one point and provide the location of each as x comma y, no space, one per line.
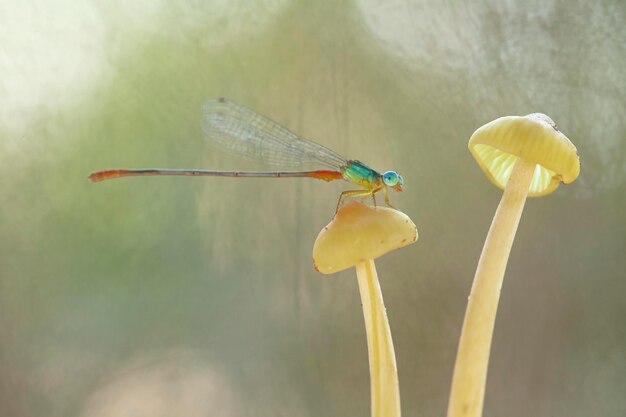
198,297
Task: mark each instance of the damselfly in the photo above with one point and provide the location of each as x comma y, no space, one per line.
239,130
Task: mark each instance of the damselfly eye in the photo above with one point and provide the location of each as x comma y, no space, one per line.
390,178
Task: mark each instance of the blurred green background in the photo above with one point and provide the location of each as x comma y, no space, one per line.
197,297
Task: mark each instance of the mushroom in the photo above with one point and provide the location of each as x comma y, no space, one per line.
355,237
524,156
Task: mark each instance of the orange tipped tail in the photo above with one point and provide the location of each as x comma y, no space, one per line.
107,174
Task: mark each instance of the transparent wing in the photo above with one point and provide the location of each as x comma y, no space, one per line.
241,131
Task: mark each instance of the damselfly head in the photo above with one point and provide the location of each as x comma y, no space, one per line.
394,180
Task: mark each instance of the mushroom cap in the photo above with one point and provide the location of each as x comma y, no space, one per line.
358,233
536,138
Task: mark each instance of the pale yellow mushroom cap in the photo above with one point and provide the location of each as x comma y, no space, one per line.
536,138
358,233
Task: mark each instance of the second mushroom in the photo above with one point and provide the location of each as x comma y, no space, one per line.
524,156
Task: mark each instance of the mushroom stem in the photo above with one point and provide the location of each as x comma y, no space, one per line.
472,360
383,370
